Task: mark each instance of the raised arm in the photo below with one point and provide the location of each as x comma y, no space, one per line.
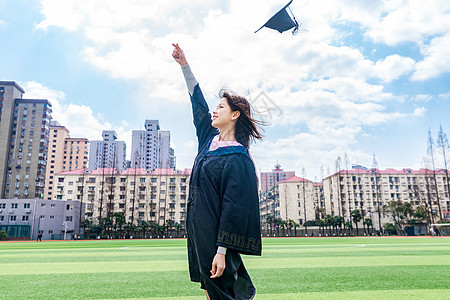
200,109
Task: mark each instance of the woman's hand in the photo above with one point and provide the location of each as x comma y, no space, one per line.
178,55
218,265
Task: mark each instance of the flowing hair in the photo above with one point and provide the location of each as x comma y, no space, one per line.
247,128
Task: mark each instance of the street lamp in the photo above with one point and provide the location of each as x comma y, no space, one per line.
65,229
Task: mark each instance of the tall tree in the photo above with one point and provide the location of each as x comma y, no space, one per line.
322,191
430,153
356,217
442,143
377,183
347,179
400,212
119,221
329,222
304,199
368,222
339,187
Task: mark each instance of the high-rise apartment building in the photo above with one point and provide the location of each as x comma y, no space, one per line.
151,149
24,134
109,153
269,179
64,154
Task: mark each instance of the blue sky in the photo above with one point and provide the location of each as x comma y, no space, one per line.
367,76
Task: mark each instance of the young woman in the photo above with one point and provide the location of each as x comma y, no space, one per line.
223,210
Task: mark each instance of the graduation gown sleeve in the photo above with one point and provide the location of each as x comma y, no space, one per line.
239,226
202,118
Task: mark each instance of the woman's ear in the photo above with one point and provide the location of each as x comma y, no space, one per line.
235,115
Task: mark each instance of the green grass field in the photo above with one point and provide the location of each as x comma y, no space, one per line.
290,268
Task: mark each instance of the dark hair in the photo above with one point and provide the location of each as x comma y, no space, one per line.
247,128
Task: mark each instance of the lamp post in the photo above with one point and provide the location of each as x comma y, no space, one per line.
65,229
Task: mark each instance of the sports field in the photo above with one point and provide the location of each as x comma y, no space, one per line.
290,268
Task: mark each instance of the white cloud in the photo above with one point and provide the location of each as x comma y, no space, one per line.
79,119
419,112
423,98
444,96
65,14
324,86
393,66
437,59
408,21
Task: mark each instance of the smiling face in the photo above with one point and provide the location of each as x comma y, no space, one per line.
223,116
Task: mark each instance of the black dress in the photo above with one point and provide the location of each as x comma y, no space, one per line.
223,210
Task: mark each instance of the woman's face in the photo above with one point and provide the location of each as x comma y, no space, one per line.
223,116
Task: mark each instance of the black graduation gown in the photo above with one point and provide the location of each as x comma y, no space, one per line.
223,210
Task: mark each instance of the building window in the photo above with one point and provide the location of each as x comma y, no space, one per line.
12,218
68,218
25,218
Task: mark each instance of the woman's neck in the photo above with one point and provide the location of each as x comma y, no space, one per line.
227,134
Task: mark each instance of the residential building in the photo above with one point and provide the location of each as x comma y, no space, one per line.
139,195
270,179
289,199
24,135
151,148
367,190
108,153
64,153
26,218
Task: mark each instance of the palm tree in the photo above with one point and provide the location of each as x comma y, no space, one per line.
368,222
144,227
290,224
129,228
119,221
169,224
329,223
159,229
178,228
86,224
270,221
349,226
107,223
295,227
277,223
283,225
356,217
338,222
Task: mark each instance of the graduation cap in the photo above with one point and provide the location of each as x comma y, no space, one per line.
282,21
